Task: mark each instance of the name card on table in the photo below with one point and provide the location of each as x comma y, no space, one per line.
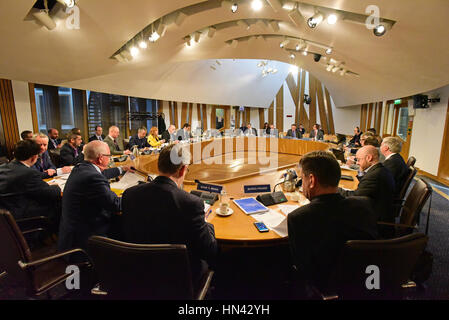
209,187
257,188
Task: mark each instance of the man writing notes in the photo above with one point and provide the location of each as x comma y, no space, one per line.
115,144
43,163
88,202
175,216
318,231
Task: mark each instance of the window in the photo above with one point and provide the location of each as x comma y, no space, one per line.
402,123
66,108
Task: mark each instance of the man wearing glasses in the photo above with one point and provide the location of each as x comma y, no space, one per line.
88,202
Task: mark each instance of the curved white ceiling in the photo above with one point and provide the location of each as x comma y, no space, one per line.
409,59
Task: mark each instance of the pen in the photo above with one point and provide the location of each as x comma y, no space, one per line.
207,216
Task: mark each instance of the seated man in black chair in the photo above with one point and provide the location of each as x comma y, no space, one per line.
72,151
391,148
44,164
140,139
22,190
174,217
294,132
318,231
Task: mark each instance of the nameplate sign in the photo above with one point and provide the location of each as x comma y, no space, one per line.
257,188
209,187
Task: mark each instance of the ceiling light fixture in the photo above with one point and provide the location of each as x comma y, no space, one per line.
328,50
154,37
292,56
234,8
134,51
332,19
197,37
143,44
380,30
304,53
315,20
343,72
329,68
188,39
284,43
256,5
67,3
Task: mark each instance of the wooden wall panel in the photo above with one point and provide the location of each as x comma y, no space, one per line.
294,91
312,106
363,114
280,109
175,116
8,115
370,115
213,124
183,113
303,117
271,113
261,117
443,169
322,107
33,107
237,117
379,117
330,115
248,116
204,110
190,113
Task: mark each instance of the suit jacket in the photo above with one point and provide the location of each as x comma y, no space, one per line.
94,137
24,194
378,185
69,157
320,134
53,144
398,169
318,231
174,217
253,131
140,143
355,141
298,133
116,149
87,206
44,163
183,135
168,137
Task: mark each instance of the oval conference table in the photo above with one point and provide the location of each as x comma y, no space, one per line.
238,161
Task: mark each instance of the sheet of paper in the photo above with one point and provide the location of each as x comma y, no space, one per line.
59,182
274,221
287,208
282,228
345,166
128,180
206,207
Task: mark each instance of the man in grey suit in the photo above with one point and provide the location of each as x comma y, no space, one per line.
316,133
114,142
184,133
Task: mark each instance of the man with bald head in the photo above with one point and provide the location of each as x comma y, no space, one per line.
377,183
115,144
88,202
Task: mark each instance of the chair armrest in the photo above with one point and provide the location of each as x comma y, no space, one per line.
400,225
32,231
26,265
206,285
32,219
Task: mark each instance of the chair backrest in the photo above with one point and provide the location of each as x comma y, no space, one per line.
55,156
415,202
411,173
411,161
12,249
394,259
141,271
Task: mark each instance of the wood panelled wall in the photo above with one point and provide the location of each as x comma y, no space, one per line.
8,115
370,116
443,170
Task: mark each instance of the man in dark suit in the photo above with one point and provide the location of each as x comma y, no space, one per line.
316,133
302,129
355,141
44,164
377,183
22,190
390,148
169,134
250,131
294,132
140,139
72,152
318,231
26,135
53,139
169,214
98,134
88,202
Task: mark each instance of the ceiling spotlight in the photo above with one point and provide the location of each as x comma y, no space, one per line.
315,20
328,50
304,53
234,8
154,37
316,57
197,37
332,18
329,68
380,30
143,44
67,3
343,72
300,45
292,56
134,51
188,39
284,43
335,69
256,5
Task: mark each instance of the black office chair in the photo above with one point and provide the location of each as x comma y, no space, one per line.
37,273
399,201
412,208
359,261
411,161
143,271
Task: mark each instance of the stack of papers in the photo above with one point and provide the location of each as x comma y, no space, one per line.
128,180
345,166
287,208
274,221
59,182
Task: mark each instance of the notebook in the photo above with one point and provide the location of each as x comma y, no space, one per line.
250,205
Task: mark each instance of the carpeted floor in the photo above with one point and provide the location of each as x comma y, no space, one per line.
262,273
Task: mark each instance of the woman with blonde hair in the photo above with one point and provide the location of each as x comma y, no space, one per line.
153,138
